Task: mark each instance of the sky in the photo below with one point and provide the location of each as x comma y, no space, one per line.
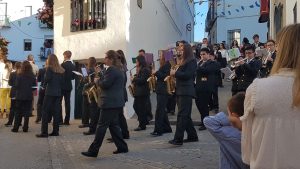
199,28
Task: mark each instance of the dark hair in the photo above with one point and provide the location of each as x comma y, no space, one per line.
245,40
188,54
122,57
68,54
223,45
91,62
271,40
26,69
255,36
142,50
232,44
114,56
236,103
205,50
142,61
250,47
18,65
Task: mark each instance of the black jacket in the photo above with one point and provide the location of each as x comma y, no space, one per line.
41,77
112,88
246,73
185,76
24,86
265,71
141,86
206,78
161,74
68,75
53,83
12,83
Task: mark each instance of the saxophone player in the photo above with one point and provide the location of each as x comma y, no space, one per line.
162,124
185,91
141,104
111,105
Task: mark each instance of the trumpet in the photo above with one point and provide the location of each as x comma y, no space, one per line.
264,59
236,63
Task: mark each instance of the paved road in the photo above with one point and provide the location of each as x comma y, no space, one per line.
25,151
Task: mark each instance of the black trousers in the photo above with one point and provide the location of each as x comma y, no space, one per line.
149,109
214,99
86,114
140,108
94,113
66,94
184,120
12,111
40,104
51,106
202,101
108,119
23,109
123,125
171,104
162,124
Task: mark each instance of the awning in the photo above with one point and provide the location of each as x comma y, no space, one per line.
264,11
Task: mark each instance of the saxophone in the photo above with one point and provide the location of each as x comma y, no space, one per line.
92,90
131,86
152,82
170,80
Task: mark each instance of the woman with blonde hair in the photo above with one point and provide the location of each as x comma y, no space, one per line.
51,106
271,122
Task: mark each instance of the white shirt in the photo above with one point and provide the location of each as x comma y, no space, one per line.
224,54
2,69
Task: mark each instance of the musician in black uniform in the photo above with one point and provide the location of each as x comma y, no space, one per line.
67,86
234,79
247,70
141,92
25,81
51,106
214,100
12,83
111,104
162,124
268,63
90,108
40,78
185,91
205,83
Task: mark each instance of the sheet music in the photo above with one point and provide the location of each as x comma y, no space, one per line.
84,72
77,73
226,71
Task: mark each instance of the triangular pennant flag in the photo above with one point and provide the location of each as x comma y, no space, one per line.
251,6
223,13
237,10
257,4
243,8
229,12
29,23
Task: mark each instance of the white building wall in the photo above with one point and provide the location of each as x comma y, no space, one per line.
85,44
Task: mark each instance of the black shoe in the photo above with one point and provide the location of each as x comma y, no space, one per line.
109,140
42,135
83,126
126,137
88,133
14,130
140,128
190,140
25,130
202,128
89,154
54,134
156,134
168,131
175,142
8,124
120,151
66,123
37,120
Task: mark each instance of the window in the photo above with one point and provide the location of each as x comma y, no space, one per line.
140,3
27,44
295,13
88,14
278,18
234,35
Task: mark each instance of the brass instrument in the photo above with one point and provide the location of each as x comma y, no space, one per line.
152,82
170,80
232,76
131,86
92,91
264,59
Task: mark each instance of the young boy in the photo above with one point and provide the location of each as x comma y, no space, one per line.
227,131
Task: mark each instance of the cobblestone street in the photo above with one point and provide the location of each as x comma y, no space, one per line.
25,151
